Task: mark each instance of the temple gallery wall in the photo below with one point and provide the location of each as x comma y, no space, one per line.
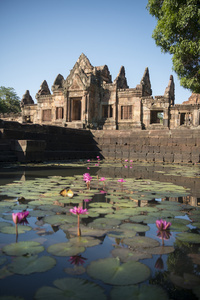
87,114
88,98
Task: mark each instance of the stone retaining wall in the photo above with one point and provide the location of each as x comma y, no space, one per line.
178,146
169,146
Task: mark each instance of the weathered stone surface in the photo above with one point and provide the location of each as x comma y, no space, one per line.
88,98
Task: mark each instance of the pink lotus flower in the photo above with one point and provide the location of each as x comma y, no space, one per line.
131,161
20,217
78,211
96,165
87,177
88,160
102,179
87,200
121,180
103,192
126,160
98,156
77,260
162,225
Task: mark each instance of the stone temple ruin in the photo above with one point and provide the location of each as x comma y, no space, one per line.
88,98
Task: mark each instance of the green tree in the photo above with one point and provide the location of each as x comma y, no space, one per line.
9,101
178,32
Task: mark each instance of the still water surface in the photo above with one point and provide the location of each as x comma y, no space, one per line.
176,272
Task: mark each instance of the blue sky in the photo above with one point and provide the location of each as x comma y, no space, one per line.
42,38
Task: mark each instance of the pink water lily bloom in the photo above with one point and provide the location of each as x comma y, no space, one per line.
88,160
20,217
78,211
87,200
87,177
162,225
102,179
103,192
121,180
126,160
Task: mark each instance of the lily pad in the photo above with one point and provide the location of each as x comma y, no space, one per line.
86,231
141,242
126,254
103,223
193,238
110,271
27,265
65,249
118,233
60,219
188,281
86,241
23,248
71,288
142,292
159,250
135,227
12,229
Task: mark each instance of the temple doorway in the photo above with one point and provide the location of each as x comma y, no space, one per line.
76,109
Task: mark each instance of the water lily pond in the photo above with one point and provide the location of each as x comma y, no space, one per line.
99,240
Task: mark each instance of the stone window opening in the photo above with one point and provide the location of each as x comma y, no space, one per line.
126,112
76,109
59,113
46,115
156,117
107,111
182,118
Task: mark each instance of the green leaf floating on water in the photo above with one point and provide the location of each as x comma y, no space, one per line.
86,231
135,227
60,219
119,233
71,288
23,248
193,238
103,223
65,249
150,292
31,264
141,242
12,229
126,254
110,271
84,241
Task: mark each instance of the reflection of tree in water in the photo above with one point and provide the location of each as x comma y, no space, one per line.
179,263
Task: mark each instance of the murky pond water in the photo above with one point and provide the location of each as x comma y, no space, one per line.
121,253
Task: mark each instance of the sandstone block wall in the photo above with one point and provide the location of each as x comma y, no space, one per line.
171,146
162,146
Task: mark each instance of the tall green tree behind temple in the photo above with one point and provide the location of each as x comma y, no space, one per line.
9,101
178,32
